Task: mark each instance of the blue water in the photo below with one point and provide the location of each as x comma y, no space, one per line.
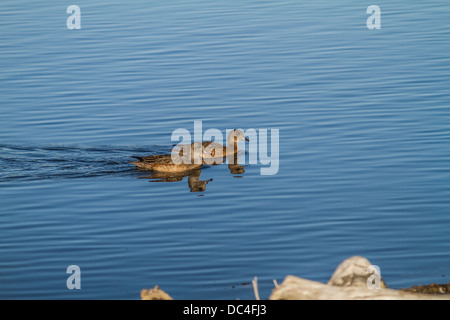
364,145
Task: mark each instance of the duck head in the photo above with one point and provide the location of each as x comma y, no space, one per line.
237,135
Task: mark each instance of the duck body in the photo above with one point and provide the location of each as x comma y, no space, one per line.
215,150
210,149
163,163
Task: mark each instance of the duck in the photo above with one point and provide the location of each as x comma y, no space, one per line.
212,149
163,163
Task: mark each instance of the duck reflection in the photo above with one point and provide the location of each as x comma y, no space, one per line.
233,164
194,182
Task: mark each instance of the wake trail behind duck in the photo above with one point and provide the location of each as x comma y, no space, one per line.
50,162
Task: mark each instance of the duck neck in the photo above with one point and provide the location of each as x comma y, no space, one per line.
232,146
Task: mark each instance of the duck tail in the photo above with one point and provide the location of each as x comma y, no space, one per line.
139,164
139,158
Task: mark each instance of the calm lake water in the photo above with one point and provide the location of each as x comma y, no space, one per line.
364,122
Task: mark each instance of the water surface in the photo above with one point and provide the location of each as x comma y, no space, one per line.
364,145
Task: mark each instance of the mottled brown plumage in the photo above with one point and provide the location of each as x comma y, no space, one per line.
215,150
163,163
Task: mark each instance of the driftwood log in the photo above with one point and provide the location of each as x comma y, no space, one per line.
354,279
154,294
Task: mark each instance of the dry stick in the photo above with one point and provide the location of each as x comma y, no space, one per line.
255,288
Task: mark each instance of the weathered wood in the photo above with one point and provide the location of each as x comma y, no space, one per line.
349,282
154,294
353,272
294,288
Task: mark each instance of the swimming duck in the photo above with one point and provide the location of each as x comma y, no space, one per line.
212,149
163,163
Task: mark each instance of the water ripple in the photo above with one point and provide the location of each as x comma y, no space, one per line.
52,162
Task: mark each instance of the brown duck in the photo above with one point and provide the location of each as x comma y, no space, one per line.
163,163
214,150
